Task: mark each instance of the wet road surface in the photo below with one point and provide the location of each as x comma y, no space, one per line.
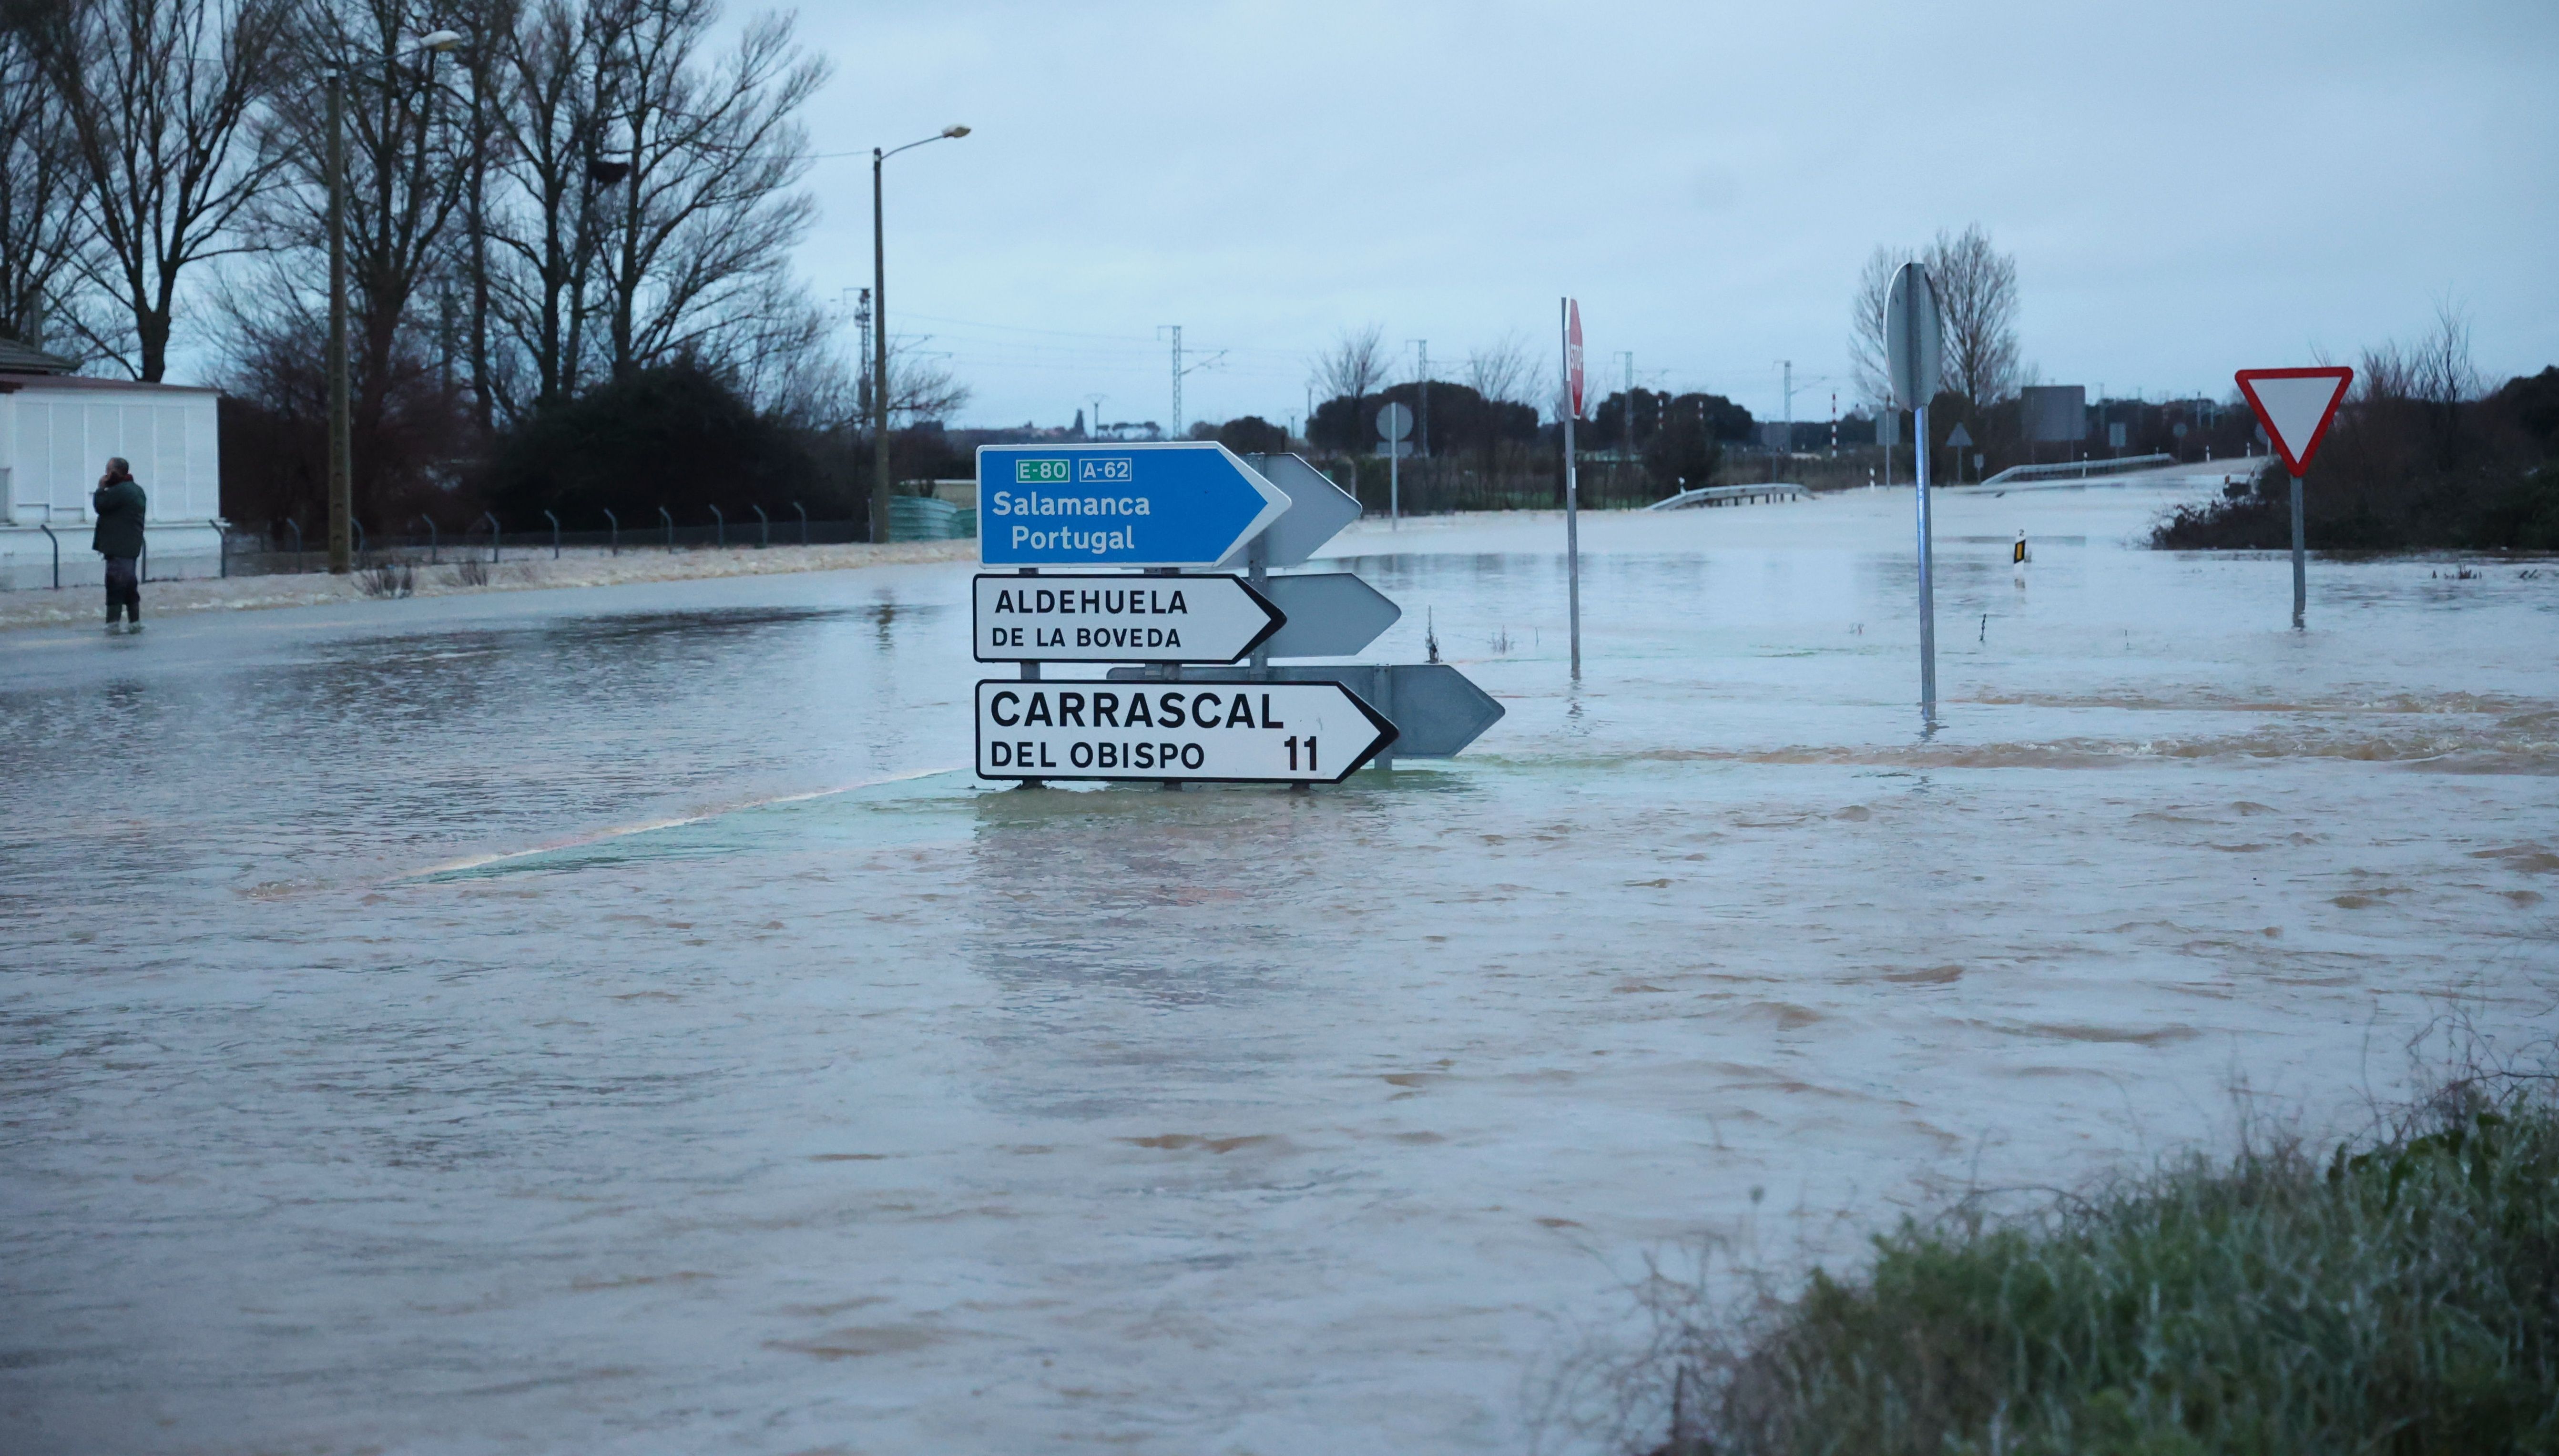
613,1020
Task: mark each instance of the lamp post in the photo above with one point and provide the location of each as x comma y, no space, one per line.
342,452
879,335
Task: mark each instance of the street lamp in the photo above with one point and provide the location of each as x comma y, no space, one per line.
342,454
879,326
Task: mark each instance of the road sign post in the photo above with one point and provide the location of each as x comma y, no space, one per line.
1169,713
1913,347
2295,407
1572,479
1394,426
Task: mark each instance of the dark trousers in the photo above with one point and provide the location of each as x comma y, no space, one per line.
123,588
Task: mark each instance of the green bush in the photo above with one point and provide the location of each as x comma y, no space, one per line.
2401,1300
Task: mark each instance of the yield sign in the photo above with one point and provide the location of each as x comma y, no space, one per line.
2295,407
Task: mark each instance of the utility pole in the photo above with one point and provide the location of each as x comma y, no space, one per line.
1180,369
1790,404
1422,440
863,321
1629,422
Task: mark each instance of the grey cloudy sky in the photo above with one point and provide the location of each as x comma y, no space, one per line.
2188,188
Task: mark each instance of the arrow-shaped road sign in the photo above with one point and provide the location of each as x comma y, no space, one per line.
1436,711
2296,406
1317,510
1331,614
1180,504
1119,619
1258,733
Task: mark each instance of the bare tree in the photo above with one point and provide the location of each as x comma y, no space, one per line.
407,163
1501,371
158,96
41,233
548,151
1866,324
1976,288
696,241
1355,365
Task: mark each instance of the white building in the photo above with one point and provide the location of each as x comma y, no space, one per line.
57,430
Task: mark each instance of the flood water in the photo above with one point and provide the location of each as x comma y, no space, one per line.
616,1021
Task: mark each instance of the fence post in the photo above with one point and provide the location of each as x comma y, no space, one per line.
763,527
554,535
296,527
803,521
615,521
670,526
56,544
429,522
222,544
491,517
723,528
359,538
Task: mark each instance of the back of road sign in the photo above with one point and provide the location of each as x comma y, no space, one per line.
1914,337
1317,511
1394,422
1178,504
1330,614
2296,406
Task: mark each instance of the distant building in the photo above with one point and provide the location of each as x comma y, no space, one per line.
57,430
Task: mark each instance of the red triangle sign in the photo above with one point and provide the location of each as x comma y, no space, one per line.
2295,407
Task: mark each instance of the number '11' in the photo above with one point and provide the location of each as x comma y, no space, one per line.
1310,754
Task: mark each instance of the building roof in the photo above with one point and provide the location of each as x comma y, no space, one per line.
12,380
20,358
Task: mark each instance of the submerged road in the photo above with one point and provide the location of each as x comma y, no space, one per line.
606,1021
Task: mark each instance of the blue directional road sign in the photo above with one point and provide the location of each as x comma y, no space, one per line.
1183,503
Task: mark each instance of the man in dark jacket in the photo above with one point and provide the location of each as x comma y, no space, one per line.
120,505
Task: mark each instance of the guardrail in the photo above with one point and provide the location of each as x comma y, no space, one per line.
2071,470
1731,496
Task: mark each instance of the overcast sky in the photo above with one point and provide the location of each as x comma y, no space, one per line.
2188,188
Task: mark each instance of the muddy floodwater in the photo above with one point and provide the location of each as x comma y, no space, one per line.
615,1020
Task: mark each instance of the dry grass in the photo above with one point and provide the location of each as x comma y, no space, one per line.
2399,1297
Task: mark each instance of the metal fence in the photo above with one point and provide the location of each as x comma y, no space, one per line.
288,548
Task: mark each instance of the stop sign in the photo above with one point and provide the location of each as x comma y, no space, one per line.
1572,357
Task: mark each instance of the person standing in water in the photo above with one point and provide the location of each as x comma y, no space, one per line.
119,504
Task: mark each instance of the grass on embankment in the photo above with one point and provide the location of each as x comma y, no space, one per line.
2403,1299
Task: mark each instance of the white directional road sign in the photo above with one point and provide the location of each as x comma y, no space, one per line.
1331,614
1238,732
1317,511
1119,619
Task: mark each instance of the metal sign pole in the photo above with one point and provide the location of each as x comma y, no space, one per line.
1572,501
1927,561
2301,572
